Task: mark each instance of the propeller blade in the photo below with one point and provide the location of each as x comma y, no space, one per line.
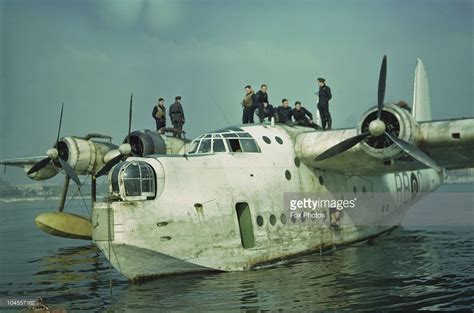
381,90
60,122
130,115
414,152
69,171
106,168
39,165
341,147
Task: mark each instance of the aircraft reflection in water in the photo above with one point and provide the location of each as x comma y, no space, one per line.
218,203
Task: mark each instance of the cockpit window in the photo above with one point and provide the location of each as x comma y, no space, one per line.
205,146
226,140
218,145
234,145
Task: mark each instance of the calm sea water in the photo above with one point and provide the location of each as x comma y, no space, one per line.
426,264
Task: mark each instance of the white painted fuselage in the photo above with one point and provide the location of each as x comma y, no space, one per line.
227,211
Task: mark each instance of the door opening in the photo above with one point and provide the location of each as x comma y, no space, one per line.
245,225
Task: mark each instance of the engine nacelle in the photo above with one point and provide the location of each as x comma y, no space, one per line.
44,173
84,156
398,122
147,142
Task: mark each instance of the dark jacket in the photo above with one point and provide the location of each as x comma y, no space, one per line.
155,112
284,115
260,98
176,111
324,96
301,114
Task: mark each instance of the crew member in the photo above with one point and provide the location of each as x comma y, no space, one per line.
261,97
284,112
248,105
323,103
177,117
303,117
267,111
159,114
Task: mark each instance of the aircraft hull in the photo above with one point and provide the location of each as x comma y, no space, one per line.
227,212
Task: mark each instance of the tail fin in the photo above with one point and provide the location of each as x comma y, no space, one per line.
421,94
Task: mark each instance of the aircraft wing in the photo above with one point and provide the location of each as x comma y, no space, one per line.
449,143
22,162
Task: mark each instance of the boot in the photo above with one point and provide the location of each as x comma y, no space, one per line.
329,124
323,122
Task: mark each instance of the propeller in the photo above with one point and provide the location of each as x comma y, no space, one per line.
377,128
124,149
53,154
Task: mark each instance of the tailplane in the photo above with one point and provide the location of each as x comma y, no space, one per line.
421,94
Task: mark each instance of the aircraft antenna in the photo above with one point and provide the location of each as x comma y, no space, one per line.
222,112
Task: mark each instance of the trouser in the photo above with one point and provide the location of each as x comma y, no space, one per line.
307,123
178,127
264,113
325,116
160,123
247,115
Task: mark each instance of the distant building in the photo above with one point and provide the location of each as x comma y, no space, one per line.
464,175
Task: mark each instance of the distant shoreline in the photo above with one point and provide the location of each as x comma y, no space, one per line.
459,180
31,199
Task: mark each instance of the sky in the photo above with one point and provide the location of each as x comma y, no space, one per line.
92,54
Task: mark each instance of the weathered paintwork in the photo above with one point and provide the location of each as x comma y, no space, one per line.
192,224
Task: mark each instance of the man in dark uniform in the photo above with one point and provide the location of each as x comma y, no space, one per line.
323,103
303,117
159,114
267,111
248,105
177,116
261,97
284,112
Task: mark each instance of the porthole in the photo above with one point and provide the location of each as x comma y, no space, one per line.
364,190
273,219
279,140
303,218
297,162
259,220
321,180
266,139
293,219
283,219
288,174
355,189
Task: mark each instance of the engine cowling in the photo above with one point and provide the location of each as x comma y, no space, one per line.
84,156
147,142
398,122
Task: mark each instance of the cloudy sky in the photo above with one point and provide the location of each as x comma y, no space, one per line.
92,54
